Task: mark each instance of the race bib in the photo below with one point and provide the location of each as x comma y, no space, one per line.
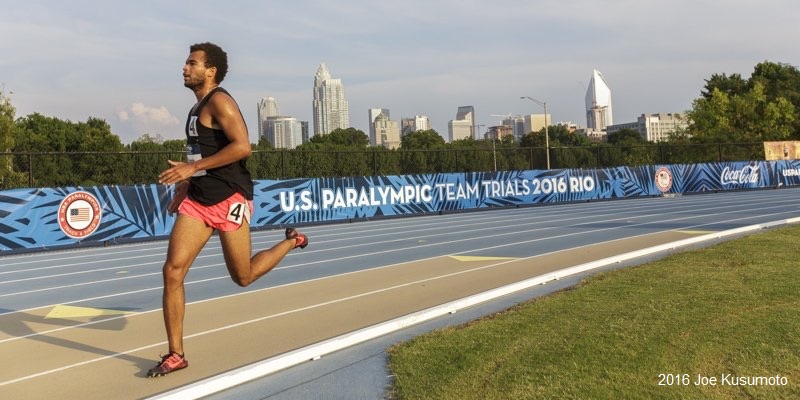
193,154
238,212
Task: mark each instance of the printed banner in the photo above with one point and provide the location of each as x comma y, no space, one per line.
62,217
782,150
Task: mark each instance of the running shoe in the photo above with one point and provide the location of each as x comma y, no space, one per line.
302,240
169,363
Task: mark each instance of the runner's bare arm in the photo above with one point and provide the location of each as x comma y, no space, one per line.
223,113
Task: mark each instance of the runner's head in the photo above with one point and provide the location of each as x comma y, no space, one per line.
215,57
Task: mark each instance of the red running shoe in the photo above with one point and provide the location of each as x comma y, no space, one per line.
301,239
169,363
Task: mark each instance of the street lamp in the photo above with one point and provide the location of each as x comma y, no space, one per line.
546,133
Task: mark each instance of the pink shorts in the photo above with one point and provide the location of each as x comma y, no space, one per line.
226,216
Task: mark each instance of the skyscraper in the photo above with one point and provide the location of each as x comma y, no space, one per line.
598,103
331,110
464,125
267,107
517,124
387,132
373,114
418,123
283,132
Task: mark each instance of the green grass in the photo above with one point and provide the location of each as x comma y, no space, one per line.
733,308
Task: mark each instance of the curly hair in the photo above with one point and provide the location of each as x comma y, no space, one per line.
215,57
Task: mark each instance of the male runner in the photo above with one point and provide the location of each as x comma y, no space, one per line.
213,192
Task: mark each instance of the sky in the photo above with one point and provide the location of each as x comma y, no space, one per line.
121,61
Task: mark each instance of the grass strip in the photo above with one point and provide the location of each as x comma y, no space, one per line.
716,323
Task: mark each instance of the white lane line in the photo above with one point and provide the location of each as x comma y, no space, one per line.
212,251
315,351
417,247
334,260
542,212
216,384
494,220
267,317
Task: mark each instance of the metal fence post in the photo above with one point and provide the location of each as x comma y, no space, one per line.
30,170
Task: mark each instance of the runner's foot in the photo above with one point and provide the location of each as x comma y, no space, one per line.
169,363
301,240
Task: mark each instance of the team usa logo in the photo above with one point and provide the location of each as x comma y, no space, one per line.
79,215
663,179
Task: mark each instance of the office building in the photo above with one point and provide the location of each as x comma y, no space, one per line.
498,132
387,132
464,125
373,113
517,124
267,107
536,122
598,103
654,127
330,107
283,132
418,123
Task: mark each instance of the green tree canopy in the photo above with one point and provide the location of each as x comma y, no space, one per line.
625,137
350,137
8,176
560,135
7,112
766,106
420,140
730,85
749,117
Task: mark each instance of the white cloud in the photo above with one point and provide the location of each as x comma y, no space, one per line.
153,115
81,58
139,119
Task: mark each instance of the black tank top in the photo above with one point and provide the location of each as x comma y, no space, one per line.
217,184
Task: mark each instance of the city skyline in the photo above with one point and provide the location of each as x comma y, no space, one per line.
121,62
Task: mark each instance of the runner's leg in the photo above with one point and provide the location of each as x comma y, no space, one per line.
188,237
244,269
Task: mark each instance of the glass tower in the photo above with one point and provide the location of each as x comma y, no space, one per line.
598,103
330,107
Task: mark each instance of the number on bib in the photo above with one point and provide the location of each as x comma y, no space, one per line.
237,212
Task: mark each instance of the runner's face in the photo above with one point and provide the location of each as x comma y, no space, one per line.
195,73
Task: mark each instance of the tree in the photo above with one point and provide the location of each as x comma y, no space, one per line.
39,134
533,139
744,118
8,176
428,139
780,81
625,137
350,137
6,127
148,158
764,107
730,85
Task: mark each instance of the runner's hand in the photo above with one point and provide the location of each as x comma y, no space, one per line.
180,171
181,189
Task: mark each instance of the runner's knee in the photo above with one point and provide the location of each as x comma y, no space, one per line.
241,280
173,274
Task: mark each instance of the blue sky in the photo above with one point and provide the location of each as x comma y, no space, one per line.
121,61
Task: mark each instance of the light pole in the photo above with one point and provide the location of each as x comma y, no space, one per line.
546,133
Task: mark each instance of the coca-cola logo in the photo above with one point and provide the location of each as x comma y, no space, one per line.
748,174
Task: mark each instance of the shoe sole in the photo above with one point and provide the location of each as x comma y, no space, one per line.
158,374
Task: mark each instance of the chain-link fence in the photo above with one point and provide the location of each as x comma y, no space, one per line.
20,170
